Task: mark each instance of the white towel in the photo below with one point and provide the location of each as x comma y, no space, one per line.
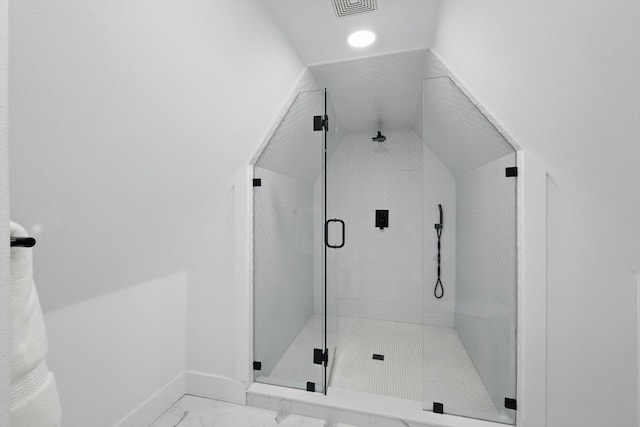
34,396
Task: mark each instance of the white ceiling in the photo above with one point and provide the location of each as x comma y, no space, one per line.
372,88
319,36
376,93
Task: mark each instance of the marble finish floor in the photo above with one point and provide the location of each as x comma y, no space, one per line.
193,411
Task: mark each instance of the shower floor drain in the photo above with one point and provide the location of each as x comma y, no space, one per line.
378,356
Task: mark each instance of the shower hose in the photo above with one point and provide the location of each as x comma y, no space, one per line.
438,227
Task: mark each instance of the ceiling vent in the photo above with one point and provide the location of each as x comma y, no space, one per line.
353,7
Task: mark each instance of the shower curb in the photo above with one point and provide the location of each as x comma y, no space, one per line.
358,409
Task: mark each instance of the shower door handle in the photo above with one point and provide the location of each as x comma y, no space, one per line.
326,233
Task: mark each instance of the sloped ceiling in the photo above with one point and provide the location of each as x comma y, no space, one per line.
375,88
379,89
319,36
377,93
457,131
295,149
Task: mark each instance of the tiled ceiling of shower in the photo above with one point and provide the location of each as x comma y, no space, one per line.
457,131
402,91
381,92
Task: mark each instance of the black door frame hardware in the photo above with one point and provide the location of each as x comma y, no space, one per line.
511,171
438,408
321,357
311,386
324,179
257,366
377,356
438,228
326,233
257,182
510,403
320,123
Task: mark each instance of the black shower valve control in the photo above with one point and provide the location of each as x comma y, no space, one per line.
382,218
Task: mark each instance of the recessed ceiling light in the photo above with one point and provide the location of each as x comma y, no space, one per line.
361,38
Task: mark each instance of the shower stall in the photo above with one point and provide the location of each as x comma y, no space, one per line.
389,267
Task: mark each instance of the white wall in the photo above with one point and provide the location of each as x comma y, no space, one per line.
562,78
382,274
486,275
5,332
107,363
378,273
129,121
439,187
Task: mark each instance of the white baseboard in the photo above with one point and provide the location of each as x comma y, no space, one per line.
156,404
216,387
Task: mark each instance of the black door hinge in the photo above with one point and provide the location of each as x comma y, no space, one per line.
438,408
511,171
510,403
257,366
311,386
257,182
320,357
321,123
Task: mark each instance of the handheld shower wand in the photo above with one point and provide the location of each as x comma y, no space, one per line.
438,228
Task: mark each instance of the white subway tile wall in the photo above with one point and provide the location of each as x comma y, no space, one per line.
383,274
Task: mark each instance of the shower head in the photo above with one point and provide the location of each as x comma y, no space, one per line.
379,137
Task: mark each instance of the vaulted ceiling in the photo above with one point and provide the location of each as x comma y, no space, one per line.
371,88
397,83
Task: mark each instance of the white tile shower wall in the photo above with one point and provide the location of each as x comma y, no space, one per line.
439,187
486,274
378,273
283,256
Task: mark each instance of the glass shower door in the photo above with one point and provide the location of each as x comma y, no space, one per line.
335,231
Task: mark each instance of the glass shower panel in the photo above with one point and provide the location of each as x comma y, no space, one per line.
288,265
470,360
